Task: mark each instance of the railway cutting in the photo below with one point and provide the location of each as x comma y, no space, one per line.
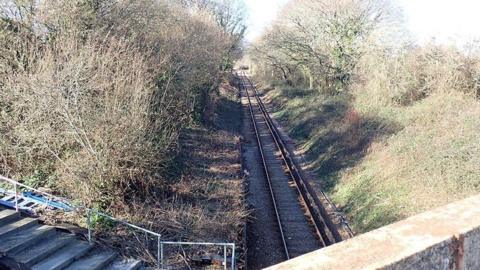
288,219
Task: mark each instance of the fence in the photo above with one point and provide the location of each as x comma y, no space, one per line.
55,201
225,247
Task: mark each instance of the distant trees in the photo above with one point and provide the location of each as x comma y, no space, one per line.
383,119
346,45
230,16
94,93
319,43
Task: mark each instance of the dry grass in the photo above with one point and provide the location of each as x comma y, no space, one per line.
380,159
202,201
94,97
399,136
429,163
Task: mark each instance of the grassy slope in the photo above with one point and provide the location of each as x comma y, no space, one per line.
383,163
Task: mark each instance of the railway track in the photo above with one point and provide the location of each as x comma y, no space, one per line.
302,221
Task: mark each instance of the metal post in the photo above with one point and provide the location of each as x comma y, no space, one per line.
147,242
89,225
225,257
233,256
161,253
48,202
16,196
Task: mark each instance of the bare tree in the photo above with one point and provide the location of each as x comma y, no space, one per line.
94,93
321,40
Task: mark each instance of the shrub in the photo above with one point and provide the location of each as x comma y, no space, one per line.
95,93
401,137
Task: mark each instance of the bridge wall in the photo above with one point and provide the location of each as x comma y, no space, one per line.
445,238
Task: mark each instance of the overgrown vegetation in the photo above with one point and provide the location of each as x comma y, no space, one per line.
388,126
95,93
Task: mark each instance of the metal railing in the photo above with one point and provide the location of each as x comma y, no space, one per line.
89,212
224,245
160,244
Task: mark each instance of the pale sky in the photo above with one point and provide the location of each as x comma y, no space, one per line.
261,13
446,20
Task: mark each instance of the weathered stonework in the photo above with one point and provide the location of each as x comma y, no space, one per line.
445,238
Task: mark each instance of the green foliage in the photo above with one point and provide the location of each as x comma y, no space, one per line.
39,178
100,222
401,158
390,131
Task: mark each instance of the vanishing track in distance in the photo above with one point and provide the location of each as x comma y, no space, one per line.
303,224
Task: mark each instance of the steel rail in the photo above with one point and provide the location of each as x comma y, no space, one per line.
318,225
320,221
265,168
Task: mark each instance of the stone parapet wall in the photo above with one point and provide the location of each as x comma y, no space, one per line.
444,238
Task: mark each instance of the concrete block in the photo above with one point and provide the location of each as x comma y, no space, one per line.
471,249
445,238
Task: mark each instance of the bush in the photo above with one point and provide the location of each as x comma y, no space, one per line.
95,93
400,138
415,73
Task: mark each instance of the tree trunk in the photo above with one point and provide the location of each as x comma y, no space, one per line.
208,97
